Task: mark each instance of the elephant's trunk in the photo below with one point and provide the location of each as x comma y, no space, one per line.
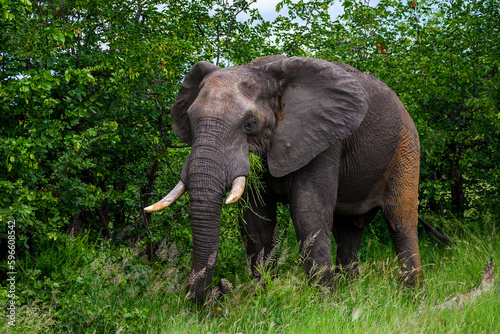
207,186
214,165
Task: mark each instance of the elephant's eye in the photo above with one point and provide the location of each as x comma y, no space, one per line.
250,125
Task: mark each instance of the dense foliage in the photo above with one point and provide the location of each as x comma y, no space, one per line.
86,87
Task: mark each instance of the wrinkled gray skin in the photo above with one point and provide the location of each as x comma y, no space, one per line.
339,147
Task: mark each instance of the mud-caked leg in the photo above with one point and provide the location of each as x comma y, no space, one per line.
405,236
400,210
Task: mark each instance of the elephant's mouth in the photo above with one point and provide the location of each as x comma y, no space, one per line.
237,189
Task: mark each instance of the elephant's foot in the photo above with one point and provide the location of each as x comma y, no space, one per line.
320,275
411,278
347,272
218,291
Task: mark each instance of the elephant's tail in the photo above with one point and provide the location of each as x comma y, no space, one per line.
433,233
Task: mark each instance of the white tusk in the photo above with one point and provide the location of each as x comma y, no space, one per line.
236,189
173,196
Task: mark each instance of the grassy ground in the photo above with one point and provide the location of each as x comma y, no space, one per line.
76,286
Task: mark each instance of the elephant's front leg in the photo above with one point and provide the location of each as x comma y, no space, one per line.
313,225
258,226
312,203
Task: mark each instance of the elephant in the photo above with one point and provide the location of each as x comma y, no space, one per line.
338,146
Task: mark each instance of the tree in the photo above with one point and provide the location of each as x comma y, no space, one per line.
86,88
442,59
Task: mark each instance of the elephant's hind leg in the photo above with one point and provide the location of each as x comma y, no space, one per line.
400,208
348,231
403,230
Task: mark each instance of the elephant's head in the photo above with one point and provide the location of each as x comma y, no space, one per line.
286,110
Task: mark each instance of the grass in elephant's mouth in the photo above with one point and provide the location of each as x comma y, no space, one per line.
114,290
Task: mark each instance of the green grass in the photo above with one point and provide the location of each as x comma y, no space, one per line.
101,288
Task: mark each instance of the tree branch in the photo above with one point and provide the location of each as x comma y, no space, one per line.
226,9
304,28
486,284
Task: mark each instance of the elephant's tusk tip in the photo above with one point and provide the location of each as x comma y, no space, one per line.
155,207
173,196
231,199
237,190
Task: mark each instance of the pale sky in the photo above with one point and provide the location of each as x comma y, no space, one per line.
267,8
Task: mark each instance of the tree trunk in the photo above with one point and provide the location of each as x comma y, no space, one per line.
457,191
75,227
457,186
104,218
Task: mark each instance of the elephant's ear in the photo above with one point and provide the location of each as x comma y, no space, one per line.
187,94
320,103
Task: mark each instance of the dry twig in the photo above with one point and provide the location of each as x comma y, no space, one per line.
486,284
